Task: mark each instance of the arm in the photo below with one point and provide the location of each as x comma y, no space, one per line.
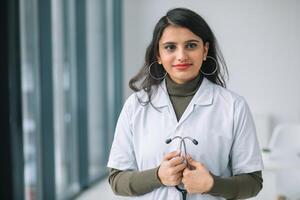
240,186
130,183
200,180
134,183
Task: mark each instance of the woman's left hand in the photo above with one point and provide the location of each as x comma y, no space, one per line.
197,180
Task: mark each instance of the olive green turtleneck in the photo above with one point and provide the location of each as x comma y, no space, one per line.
182,94
134,183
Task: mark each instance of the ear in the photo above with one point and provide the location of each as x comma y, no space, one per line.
206,47
158,59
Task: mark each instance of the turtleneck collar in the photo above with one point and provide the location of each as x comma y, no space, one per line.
186,89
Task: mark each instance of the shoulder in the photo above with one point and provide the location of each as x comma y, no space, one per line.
135,101
225,98
141,97
227,95
132,100
231,102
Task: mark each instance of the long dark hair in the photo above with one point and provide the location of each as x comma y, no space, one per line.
186,18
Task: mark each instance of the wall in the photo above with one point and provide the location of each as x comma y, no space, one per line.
259,39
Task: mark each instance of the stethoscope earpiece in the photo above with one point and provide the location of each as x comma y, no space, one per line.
182,142
168,141
195,142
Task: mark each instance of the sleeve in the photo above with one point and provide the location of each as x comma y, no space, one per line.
133,183
240,186
122,154
245,155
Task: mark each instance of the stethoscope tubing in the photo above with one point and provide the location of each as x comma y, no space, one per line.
182,143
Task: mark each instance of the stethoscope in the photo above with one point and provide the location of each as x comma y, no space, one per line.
182,143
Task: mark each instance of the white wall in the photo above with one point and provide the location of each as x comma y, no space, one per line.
259,39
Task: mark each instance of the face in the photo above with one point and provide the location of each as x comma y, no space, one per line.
181,53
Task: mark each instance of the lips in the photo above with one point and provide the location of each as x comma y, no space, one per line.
182,66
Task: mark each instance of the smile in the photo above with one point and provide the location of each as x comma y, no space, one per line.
182,66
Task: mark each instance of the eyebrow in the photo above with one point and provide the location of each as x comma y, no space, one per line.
193,40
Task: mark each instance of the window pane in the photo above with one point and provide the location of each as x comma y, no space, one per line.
64,80
30,97
96,72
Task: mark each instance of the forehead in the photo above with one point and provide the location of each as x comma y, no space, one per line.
177,34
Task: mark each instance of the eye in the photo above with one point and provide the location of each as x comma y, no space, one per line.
170,47
191,45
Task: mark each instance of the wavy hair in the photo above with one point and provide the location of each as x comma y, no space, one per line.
186,18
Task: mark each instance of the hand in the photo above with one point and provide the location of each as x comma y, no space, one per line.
171,168
198,180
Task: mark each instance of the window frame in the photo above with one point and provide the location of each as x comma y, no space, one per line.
12,107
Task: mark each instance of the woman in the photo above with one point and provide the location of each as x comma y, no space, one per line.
179,96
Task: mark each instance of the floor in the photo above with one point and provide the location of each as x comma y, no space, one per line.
100,191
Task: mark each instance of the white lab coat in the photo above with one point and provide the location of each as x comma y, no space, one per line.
217,118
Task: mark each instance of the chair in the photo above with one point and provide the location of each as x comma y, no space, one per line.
284,156
285,137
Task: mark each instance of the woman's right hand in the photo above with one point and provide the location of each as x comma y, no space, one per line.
171,168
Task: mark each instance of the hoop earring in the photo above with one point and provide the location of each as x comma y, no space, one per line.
214,71
155,78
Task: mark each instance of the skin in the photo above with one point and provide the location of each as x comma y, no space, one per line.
173,171
171,168
198,179
181,53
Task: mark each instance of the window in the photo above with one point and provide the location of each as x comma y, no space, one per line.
71,93
30,98
96,88
64,97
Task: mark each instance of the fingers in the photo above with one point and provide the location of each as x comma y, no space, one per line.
194,163
176,161
168,176
176,180
186,172
179,168
171,155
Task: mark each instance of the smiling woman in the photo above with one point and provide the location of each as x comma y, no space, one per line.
180,93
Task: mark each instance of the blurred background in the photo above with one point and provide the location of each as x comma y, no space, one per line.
64,77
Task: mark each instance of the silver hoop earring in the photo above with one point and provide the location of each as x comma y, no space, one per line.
155,78
214,71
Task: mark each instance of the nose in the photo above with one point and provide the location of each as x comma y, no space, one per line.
181,55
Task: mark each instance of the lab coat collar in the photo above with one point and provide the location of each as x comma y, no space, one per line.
161,97
204,95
